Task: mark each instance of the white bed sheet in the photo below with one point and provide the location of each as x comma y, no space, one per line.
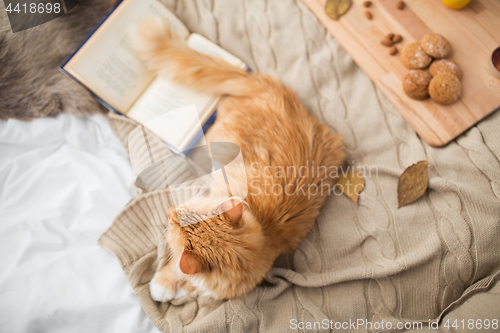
62,182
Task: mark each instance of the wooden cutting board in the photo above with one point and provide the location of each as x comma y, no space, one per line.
474,32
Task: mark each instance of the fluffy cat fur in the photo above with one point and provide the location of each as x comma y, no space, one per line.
30,83
229,252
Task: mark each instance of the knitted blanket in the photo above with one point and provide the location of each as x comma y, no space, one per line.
365,262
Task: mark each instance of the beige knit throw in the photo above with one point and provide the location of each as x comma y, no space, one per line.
369,261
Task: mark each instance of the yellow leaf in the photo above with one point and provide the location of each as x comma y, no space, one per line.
336,8
413,183
351,184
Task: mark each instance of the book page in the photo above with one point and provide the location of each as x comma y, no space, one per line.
173,125
206,46
107,63
163,95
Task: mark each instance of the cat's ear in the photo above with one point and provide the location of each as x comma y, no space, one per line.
189,263
233,210
172,216
171,213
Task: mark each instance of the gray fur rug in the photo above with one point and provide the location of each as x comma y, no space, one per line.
30,84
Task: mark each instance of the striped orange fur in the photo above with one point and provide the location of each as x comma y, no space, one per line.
228,254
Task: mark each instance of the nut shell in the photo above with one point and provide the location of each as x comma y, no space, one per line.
397,39
386,42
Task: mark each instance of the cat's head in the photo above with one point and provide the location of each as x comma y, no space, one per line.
221,248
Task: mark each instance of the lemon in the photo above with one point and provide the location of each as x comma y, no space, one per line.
456,4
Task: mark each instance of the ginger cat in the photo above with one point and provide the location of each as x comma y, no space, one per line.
230,251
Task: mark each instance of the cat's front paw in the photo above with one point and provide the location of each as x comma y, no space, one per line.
159,292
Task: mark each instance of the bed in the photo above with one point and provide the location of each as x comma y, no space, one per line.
63,180
66,182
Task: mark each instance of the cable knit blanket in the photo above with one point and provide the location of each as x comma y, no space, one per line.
370,261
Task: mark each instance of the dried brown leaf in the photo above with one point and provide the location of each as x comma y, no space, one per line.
336,8
351,184
413,183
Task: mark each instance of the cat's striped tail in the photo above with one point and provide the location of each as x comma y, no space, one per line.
164,52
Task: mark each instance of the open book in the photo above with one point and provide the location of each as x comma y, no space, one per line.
107,65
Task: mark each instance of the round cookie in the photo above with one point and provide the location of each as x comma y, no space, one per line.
435,45
445,88
416,84
414,57
445,66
